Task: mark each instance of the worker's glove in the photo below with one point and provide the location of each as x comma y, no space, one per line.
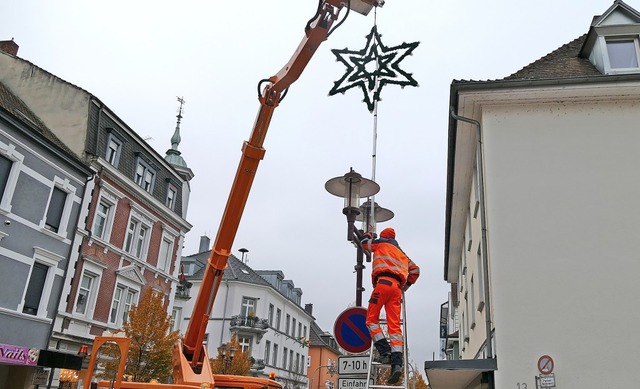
366,236
406,286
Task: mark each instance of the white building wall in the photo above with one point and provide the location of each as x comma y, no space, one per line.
562,193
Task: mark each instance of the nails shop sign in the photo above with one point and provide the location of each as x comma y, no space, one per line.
18,355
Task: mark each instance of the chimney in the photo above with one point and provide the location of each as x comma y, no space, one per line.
308,308
9,47
205,244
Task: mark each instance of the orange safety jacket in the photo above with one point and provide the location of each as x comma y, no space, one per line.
389,260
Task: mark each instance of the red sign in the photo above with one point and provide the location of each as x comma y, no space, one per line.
18,355
545,364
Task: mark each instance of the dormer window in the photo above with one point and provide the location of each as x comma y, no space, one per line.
623,54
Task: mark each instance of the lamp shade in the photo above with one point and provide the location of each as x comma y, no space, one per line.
352,186
379,214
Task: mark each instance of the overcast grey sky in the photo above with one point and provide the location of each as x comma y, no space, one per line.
137,56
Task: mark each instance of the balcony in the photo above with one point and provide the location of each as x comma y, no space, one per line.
249,324
182,290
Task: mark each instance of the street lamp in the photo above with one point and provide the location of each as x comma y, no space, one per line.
371,215
227,356
352,186
68,376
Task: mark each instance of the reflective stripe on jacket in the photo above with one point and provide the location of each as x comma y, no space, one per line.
389,258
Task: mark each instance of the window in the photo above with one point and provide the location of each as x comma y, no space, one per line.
5,171
172,194
278,314
285,354
300,330
166,252
123,298
480,265
293,328
304,333
55,209
298,367
10,166
176,317
270,315
248,307
290,359
286,325
623,53
35,288
476,190
145,175
103,212
473,304
275,355
245,343
267,351
137,238
114,148
85,290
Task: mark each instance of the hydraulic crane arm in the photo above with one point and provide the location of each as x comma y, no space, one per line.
190,358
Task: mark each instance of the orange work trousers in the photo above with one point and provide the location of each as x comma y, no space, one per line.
388,294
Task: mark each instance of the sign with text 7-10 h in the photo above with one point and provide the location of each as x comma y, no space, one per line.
353,364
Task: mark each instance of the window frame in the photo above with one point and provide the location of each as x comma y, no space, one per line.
9,151
166,238
170,201
113,158
64,186
95,271
140,178
633,38
247,305
129,289
112,201
132,238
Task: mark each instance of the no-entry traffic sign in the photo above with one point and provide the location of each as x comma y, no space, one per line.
350,330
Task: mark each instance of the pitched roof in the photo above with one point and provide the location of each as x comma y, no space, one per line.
13,105
236,270
564,62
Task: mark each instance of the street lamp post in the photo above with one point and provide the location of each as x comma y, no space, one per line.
227,356
352,186
331,368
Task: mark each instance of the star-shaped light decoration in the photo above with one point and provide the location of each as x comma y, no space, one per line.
373,67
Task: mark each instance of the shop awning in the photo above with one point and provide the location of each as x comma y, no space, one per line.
456,374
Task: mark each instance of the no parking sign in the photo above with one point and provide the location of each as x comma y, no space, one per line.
350,330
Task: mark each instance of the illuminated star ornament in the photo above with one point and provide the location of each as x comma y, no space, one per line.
373,67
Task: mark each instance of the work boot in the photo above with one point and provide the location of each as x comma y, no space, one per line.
394,377
383,347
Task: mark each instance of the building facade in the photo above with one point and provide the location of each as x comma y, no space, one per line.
133,229
42,193
261,308
323,359
540,220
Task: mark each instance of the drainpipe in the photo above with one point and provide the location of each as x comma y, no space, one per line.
483,224
224,310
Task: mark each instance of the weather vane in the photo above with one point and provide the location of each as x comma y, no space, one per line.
373,67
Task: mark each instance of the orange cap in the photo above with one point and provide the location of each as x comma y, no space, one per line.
388,233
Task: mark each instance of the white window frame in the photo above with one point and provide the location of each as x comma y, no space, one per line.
132,237
65,186
164,264
245,342
127,286
176,318
113,156
621,38
171,200
95,271
248,305
112,201
9,152
144,175
50,260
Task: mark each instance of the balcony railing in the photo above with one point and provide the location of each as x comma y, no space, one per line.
249,324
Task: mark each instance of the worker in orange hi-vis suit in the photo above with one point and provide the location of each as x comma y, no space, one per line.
392,273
